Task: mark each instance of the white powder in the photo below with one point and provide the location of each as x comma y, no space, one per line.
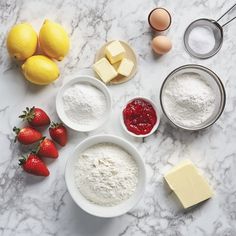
201,40
188,99
106,174
84,105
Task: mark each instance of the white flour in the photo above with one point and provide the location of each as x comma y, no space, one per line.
84,105
188,99
106,174
201,39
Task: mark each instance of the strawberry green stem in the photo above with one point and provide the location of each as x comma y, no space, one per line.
28,114
22,160
54,125
16,130
38,146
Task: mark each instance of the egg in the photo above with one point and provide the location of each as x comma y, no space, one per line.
161,44
159,19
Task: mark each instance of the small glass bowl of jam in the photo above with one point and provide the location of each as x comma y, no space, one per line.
139,117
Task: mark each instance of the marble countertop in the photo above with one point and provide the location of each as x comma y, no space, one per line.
34,206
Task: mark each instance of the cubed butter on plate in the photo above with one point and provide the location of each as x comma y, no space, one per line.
114,52
105,70
126,67
188,184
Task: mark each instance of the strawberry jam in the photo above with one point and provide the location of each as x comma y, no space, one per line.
139,116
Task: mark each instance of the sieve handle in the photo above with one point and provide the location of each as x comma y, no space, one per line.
225,14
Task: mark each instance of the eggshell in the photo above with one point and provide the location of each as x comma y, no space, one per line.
159,19
161,44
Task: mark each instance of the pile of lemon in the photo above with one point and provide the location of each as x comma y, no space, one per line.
23,42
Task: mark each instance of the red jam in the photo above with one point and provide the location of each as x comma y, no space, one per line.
139,116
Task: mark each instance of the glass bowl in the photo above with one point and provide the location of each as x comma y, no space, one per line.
212,80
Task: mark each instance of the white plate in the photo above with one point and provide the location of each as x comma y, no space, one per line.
88,80
129,54
154,127
86,205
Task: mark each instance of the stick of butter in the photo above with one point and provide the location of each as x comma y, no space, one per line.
115,52
188,184
105,70
126,66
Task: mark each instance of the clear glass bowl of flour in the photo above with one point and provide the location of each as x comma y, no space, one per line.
192,97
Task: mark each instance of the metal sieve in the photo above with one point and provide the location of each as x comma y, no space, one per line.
215,27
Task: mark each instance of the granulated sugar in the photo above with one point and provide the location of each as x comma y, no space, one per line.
201,40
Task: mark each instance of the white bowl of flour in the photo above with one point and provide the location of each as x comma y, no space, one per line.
192,97
105,176
83,103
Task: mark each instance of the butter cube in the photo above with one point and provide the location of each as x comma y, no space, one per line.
125,67
105,70
114,52
188,184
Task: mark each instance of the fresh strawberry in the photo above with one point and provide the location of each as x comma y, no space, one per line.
34,165
35,116
27,135
47,148
58,133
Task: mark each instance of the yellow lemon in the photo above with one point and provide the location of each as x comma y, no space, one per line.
40,70
22,41
54,40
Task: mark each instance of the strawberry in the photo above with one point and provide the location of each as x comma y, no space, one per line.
27,135
35,116
58,133
47,148
34,165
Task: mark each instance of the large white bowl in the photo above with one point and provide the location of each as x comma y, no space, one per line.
86,205
93,82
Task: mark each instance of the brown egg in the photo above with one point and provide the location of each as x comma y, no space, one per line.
161,44
159,19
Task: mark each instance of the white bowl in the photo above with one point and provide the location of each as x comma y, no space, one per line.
92,208
154,127
93,82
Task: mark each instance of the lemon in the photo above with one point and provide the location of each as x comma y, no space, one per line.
54,40
22,41
40,70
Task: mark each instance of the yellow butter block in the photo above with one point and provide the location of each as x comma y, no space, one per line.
114,52
125,67
105,70
188,184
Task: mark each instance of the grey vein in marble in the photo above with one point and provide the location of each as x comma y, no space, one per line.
36,206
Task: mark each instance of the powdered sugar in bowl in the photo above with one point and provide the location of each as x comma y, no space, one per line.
192,97
83,103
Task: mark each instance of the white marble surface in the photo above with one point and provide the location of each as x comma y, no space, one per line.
35,206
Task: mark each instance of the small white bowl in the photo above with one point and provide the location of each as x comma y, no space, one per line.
154,127
93,82
92,208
